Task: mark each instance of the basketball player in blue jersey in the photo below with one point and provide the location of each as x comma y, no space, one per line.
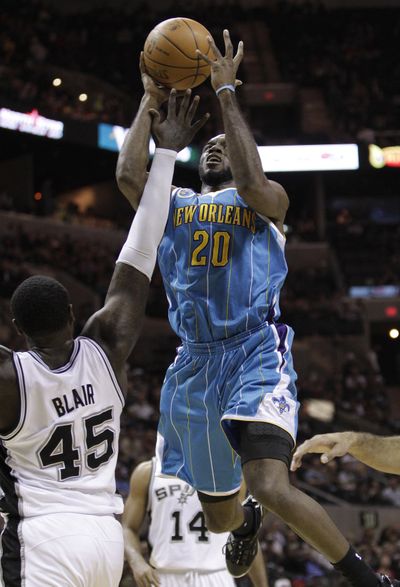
228,403
60,407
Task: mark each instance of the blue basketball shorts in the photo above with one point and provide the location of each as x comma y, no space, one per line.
209,387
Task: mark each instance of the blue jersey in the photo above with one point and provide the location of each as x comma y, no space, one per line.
223,266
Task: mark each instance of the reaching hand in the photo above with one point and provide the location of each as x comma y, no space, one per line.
224,68
146,576
158,93
332,445
177,130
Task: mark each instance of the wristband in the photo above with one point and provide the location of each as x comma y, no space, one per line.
229,87
165,151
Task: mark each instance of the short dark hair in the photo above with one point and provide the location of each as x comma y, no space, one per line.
40,305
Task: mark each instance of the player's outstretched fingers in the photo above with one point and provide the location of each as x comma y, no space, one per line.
185,103
228,44
172,103
203,56
214,49
239,54
296,461
154,578
197,125
308,446
337,451
192,109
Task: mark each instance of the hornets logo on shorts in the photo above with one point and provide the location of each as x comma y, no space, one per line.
281,404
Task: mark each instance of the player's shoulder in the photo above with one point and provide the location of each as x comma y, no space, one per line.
184,193
141,475
6,355
8,377
280,192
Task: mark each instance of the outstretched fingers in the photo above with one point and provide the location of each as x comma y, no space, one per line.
185,104
214,49
239,55
192,109
200,123
228,44
188,111
172,103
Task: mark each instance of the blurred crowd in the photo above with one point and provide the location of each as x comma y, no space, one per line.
292,563
382,264
314,304
346,53
83,258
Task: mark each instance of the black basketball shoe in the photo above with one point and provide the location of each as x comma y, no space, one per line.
240,551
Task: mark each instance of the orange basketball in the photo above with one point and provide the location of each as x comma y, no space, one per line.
170,53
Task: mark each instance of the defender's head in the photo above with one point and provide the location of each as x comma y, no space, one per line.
214,167
41,306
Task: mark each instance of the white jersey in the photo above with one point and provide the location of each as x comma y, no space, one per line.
62,455
178,537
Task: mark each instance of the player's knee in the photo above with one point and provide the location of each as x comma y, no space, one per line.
273,494
218,524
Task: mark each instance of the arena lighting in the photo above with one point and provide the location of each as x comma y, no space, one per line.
281,158
391,311
57,82
385,157
83,97
375,291
31,123
394,333
112,137
336,157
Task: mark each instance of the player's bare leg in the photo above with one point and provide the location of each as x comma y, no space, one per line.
243,520
223,514
268,481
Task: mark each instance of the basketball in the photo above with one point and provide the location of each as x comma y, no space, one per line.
170,54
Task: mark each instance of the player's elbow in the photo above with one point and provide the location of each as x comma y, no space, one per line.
269,199
129,188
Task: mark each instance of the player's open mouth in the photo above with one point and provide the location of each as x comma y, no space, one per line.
214,159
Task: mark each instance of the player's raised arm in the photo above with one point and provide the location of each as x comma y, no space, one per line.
132,521
264,196
116,326
133,158
379,452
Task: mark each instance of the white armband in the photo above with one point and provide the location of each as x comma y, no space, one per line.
147,229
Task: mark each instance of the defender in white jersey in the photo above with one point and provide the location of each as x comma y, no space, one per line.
183,553
228,404
60,406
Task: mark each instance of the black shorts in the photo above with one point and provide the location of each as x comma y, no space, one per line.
260,440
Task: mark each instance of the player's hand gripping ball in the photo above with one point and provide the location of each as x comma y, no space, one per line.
170,54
